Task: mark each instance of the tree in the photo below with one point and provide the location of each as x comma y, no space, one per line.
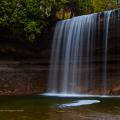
75,8
102,5
26,16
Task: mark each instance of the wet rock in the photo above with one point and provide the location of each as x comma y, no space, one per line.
115,90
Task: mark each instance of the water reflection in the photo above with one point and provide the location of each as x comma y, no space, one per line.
86,115
57,108
83,114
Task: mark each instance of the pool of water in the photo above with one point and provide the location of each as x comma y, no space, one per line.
59,108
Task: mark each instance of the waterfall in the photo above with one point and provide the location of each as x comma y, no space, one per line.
74,44
106,35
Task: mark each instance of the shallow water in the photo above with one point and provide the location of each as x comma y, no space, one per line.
58,108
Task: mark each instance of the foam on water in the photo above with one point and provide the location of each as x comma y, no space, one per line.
79,103
79,95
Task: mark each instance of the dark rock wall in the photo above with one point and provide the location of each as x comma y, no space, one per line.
23,77
24,65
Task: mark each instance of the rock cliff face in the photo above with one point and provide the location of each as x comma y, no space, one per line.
23,77
24,65
30,76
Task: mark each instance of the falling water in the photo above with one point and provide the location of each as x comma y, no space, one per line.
73,54
106,35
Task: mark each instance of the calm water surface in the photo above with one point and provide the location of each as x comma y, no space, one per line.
56,108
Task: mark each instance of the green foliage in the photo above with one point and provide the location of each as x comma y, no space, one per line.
30,17
86,7
101,5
